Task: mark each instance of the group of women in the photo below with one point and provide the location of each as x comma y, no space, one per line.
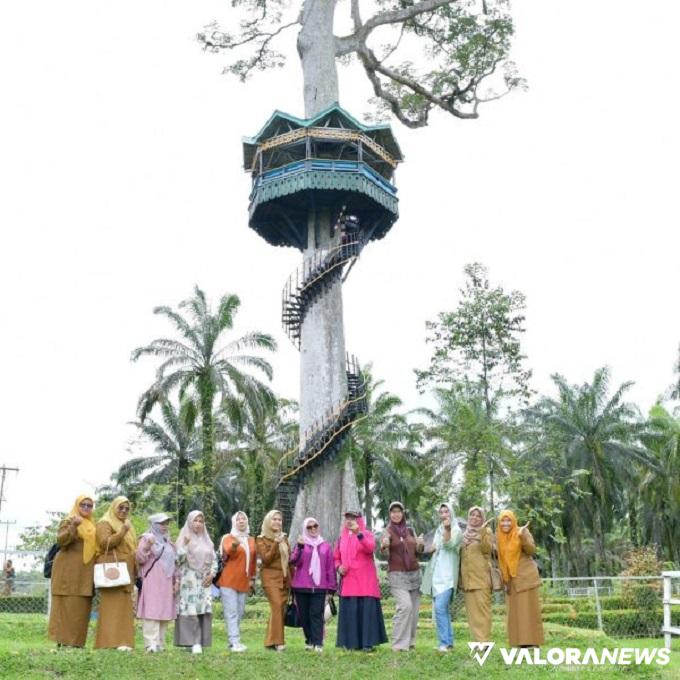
175,579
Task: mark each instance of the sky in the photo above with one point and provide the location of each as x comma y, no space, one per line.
122,188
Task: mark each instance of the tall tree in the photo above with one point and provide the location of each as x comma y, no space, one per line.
176,441
384,449
214,370
479,344
598,432
451,55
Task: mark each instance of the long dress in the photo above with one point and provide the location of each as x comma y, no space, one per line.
72,589
194,610
276,587
116,621
524,623
475,576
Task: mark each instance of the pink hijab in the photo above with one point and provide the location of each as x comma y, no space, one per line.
349,544
200,550
315,542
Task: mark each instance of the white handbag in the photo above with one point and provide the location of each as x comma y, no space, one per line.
111,574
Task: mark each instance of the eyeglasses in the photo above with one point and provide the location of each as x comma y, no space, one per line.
123,508
87,506
312,526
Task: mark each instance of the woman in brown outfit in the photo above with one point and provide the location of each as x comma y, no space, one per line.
73,575
475,576
116,541
520,576
273,550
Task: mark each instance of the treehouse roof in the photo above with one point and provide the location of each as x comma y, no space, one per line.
334,117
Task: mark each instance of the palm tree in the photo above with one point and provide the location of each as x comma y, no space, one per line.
176,450
199,361
660,491
247,463
597,432
383,451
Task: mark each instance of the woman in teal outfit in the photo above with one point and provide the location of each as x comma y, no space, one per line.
441,574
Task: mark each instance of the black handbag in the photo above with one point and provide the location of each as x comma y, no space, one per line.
292,618
333,608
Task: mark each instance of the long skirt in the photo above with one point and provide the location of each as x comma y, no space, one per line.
524,623
277,594
360,623
69,618
193,630
116,620
478,608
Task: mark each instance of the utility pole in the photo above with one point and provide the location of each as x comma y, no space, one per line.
4,469
6,523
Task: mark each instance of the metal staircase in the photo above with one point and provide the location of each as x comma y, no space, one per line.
324,440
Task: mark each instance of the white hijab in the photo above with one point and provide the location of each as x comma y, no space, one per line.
242,536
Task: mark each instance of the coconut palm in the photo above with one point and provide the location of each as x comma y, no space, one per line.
200,361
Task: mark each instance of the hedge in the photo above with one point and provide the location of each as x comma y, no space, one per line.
622,622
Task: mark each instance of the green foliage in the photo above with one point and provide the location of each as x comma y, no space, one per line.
22,604
199,362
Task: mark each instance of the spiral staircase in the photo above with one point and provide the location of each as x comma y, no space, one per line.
324,440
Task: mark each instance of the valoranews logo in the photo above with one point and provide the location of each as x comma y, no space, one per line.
572,656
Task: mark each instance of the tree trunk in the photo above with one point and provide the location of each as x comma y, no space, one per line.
208,455
316,47
182,483
368,494
330,489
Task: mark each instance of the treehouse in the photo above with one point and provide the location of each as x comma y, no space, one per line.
319,169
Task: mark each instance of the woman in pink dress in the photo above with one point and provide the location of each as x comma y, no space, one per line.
156,602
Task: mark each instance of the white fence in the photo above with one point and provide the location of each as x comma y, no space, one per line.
668,601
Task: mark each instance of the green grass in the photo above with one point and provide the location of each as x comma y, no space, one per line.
26,653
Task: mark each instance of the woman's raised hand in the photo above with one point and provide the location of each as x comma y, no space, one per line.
522,529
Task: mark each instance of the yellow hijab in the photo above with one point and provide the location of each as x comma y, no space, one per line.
509,546
86,529
117,524
268,532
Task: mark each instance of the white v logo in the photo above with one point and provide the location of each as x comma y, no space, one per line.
480,650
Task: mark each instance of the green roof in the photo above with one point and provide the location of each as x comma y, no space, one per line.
382,133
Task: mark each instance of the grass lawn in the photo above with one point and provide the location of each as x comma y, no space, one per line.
26,653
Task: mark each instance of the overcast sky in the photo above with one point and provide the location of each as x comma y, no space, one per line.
122,187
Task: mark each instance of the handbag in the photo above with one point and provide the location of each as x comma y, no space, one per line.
330,610
495,574
221,563
111,574
292,618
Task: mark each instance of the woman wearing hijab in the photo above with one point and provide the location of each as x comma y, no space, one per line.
520,576
237,577
156,556
73,575
475,574
401,546
116,542
441,575
273,550
313,581
197,566
360,619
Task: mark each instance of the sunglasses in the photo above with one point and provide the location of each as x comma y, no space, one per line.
122,508
87,506
312,526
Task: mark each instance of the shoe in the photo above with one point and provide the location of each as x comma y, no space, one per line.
124,648
152,648
442,648
318,649
196,649
279,648
238,647
309,648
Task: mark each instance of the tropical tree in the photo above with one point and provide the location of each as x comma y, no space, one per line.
478,345
199,360
660,487
598,432
384,451
248,457
177,448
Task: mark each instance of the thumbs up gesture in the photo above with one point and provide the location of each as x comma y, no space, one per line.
522,529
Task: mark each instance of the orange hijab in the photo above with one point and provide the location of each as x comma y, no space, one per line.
509,546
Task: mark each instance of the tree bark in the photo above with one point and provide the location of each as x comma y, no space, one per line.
208,455
316,47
